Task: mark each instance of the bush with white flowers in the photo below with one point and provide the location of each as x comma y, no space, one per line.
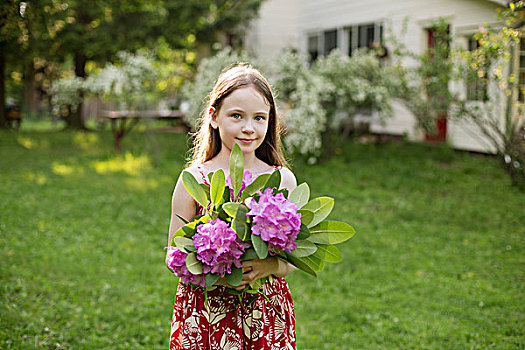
125,83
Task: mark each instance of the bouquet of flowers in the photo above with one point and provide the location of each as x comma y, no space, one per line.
246,218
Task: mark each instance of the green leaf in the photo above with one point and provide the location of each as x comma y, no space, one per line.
307,216
304,248
231,208
240,228
255,186
304,233
274,181
331,232
182,243
227,194
235,278
181,218
236,169
249,254
218,183
329,253
314,262
206,189
300,264
300,195
321,207
211,278
237,211
210,176
240,215
257,284
260,246
194,189
189,229
194,266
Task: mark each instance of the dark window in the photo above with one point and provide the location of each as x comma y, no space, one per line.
350,34
330,41
313,47
476,86
367,36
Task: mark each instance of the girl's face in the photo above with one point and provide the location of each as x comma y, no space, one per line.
242,119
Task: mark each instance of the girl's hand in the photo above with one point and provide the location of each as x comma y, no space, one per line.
260,268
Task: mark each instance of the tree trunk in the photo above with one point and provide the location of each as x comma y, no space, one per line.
3,114
30,102
74,119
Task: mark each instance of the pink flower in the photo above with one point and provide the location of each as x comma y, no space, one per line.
218,247
275,220
247,178
177,263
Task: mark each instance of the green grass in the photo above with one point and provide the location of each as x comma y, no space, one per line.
437,263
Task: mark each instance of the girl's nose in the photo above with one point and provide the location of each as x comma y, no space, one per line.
247,127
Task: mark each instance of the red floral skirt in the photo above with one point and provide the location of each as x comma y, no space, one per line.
225,322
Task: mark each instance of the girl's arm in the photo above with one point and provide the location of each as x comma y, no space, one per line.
183,204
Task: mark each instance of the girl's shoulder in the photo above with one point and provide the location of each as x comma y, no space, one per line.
198,171
288,179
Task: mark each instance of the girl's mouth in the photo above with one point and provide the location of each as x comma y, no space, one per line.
246,141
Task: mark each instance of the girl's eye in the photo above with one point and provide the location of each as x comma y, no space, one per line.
260,118
236,116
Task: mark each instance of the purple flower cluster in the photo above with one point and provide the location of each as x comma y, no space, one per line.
247,178
218,247
177,263
275,220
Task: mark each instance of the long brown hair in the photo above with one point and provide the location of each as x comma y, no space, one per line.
207,142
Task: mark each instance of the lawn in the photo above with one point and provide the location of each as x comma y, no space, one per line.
437,263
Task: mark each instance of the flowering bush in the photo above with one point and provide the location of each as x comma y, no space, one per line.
322,97
126,83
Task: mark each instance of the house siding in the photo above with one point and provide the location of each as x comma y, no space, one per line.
287,23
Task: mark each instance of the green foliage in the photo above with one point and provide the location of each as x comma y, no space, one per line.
492,66
494,63
236,169
300,195
217,187
320,207
194,266
260,246
437,264
194,189
125,83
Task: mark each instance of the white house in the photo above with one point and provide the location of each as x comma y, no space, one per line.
315,27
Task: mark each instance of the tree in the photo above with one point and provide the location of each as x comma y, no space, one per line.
137,24
27,30
494,60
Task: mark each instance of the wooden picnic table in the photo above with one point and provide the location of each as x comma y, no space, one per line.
123,121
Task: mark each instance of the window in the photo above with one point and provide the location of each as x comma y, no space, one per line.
476,86
313,47
364,36
347,39
330,41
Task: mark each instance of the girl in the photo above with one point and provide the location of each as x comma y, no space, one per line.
241,109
